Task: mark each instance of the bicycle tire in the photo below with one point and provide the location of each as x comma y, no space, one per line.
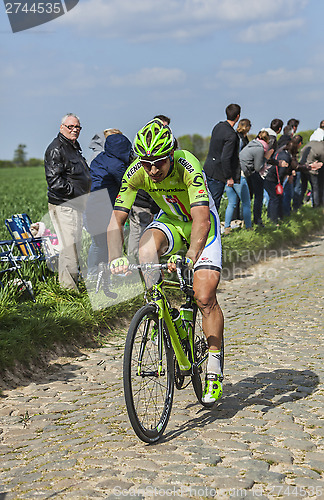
148,396
201,353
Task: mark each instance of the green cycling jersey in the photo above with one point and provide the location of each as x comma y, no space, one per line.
183,188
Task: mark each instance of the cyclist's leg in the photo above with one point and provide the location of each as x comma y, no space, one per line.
205,285
206,279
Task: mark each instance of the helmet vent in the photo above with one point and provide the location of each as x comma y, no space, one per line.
149,138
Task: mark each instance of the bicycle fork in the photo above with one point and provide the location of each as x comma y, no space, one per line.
183,361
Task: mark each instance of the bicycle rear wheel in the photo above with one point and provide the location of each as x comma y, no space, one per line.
201,357
148,395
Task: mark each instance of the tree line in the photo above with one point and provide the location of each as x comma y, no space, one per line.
20,159
194,143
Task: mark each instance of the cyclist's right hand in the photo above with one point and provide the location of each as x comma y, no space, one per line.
172,262
119,265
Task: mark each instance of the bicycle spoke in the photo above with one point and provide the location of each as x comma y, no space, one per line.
148,394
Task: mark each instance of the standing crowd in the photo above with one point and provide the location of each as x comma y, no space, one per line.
267,170
172,202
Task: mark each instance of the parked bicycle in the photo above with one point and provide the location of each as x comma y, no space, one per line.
164,345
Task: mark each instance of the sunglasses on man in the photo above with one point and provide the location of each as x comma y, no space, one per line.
72,127
157,163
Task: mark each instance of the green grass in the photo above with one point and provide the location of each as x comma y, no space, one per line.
22,190
28,329
241,245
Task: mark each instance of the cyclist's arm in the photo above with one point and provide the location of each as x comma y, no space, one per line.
115,234
199,231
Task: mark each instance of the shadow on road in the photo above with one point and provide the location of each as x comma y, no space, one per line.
266,389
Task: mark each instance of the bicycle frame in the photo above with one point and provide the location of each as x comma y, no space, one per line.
163,311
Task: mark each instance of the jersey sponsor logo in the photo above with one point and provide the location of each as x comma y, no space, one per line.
133,170
123,186
161,190
186,165
119,199
201,191
198,180
177,207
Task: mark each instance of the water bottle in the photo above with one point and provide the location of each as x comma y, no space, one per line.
186,313
177,320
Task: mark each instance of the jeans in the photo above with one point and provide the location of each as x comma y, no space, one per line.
216,189
275,201
317,182
257,186
234,194
98,252
287,195
300,189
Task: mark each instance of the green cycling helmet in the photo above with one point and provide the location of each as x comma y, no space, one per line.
154,139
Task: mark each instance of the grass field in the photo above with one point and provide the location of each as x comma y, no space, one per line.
28,329
22,190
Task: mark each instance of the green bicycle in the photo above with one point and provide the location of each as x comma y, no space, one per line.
163,347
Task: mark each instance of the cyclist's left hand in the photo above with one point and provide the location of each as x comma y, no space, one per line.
172,262
119,266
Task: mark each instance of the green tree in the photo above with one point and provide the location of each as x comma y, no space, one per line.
198,146
185,142
6,164
35,162
20,155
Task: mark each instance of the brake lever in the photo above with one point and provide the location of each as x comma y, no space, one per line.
104,281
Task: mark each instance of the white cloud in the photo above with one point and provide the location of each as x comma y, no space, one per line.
144,20
265,32
148,77
272,78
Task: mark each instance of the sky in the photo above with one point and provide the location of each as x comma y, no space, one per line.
117,63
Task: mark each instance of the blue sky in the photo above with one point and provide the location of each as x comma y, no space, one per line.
117,63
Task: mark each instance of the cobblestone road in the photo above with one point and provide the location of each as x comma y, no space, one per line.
69,436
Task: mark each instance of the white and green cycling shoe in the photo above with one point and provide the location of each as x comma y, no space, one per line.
213,388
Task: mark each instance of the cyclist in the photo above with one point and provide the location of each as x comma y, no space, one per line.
175,181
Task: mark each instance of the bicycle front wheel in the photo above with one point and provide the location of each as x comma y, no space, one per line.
201,357
148,390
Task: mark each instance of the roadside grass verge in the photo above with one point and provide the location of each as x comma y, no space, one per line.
28,330
245,246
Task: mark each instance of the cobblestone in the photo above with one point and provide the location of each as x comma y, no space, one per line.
68,436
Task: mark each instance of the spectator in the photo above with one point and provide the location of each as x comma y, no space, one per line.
252,160
274,129
289,131
238,192
279,170
222,163
97,143
292,179
68,179
312,155
318,134
107,171
243,128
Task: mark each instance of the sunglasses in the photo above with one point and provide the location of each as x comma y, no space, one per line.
71,127
157,163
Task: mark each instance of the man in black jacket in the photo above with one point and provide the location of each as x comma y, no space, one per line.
68,179
222,163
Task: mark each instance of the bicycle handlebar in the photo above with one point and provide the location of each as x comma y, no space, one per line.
104,275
